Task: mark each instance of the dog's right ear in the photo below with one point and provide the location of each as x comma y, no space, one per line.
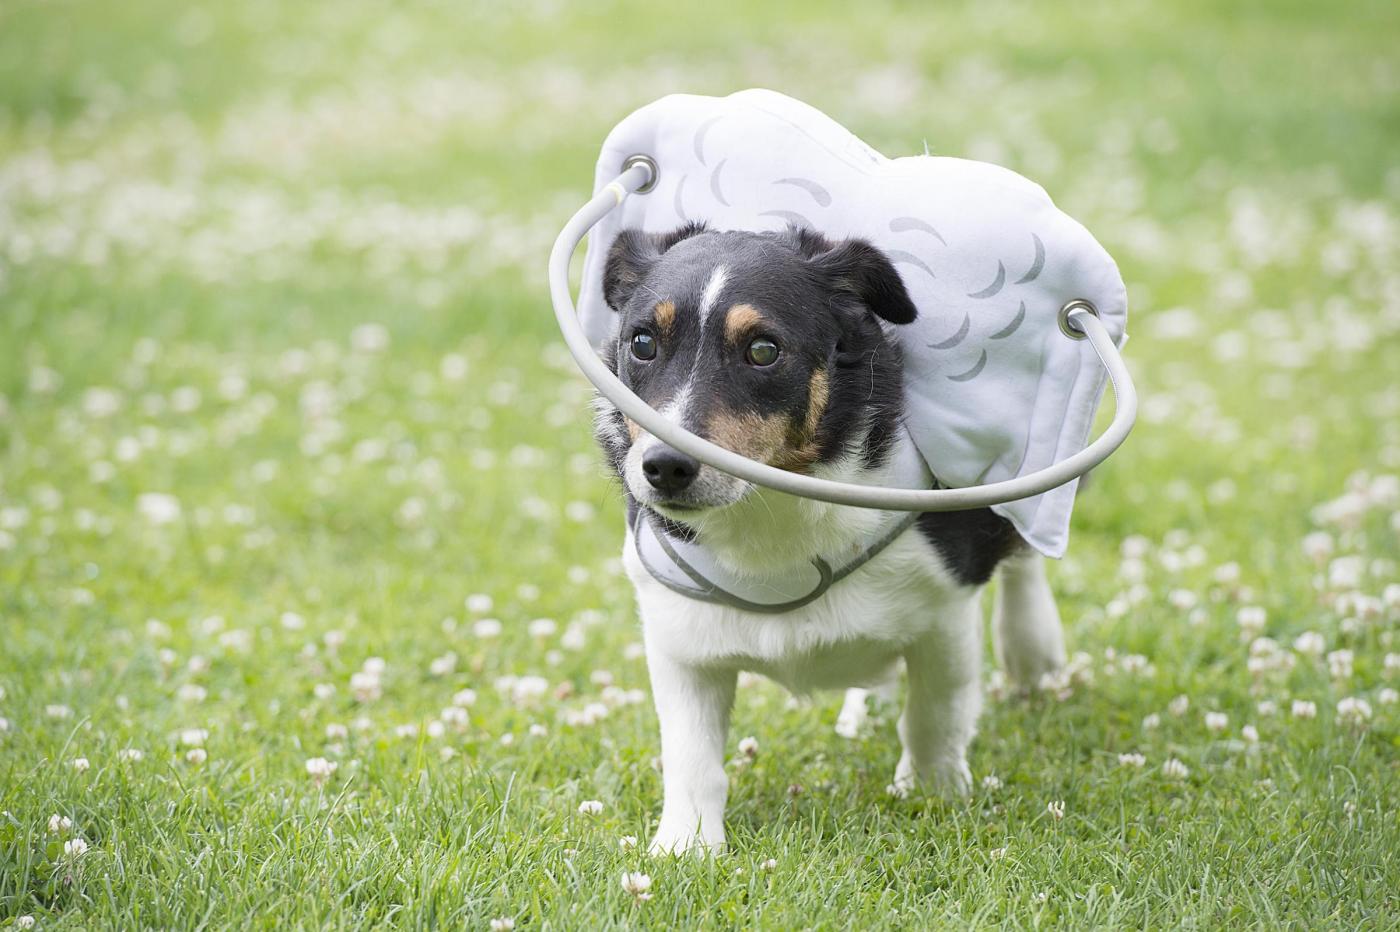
631,257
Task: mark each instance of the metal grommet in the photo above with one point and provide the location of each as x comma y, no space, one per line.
650,163
1067,327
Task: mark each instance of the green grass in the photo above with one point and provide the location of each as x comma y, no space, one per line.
200,204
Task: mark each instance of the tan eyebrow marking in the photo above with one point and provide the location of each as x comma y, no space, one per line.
665,312
818,392
740,319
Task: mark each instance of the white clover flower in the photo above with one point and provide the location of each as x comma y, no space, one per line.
1056,808
590,807
1217,721
1353,710
1250,734
337,732
75,848
323,691
542,627
4,724
1392,664
479,603
1266,707
1174,769
1152,722
194,737
1311,643
370,338
1340,664
627,842
58,711
191,693
365,686
1318,547
158,508
291,621
1179,705
991,782
435,729
442,666
81,764
25,922
60,824
770,864
1182,599
1388,696
1303,708
538,731
320,769
196,756
456,716
487,628
464,698
748,746
1132,759
637,884
502,924
1251,619
528,689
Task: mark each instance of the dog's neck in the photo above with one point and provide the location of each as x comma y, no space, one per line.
769,533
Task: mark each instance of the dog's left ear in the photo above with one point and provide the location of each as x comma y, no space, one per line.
631,257
858,268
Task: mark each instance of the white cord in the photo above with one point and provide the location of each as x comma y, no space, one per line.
841,493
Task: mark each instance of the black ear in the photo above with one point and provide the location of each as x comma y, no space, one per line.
858,268
631,257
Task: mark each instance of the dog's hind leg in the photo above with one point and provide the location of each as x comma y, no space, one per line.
1026,629
855,709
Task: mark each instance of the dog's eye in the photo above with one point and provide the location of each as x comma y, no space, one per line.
643,345
762,352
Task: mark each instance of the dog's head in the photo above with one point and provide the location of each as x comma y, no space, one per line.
768,344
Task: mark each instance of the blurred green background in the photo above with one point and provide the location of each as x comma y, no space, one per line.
284,263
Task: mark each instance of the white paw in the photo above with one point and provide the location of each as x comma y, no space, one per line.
849,725
950,779
673,840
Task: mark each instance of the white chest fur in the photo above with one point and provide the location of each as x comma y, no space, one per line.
850,636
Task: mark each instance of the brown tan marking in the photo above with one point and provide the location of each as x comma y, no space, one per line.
768,439
739,320
818,392
634,430
665,312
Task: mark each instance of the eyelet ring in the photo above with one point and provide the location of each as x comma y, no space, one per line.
1067,327
650,164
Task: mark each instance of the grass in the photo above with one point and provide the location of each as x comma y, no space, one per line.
284,263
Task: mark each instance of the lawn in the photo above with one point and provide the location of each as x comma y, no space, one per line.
311,612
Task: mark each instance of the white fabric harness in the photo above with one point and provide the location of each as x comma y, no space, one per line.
993,389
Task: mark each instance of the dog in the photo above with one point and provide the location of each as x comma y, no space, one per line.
779,346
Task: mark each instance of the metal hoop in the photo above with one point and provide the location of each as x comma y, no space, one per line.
1067,327
1081,316
647,162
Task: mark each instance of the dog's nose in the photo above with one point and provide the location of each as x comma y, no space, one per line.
669,470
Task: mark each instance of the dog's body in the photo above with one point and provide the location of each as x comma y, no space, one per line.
774,345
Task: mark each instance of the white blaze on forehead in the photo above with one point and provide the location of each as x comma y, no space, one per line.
711,293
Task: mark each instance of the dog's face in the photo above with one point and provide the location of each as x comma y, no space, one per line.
768,344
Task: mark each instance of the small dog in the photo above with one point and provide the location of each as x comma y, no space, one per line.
778,346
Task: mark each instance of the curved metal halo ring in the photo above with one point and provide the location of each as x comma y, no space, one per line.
639,174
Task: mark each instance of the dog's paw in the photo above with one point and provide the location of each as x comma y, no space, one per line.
951,779
680,841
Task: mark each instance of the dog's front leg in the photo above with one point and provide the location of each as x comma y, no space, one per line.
943,702
693,705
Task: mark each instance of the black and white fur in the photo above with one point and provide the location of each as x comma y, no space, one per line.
830,406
